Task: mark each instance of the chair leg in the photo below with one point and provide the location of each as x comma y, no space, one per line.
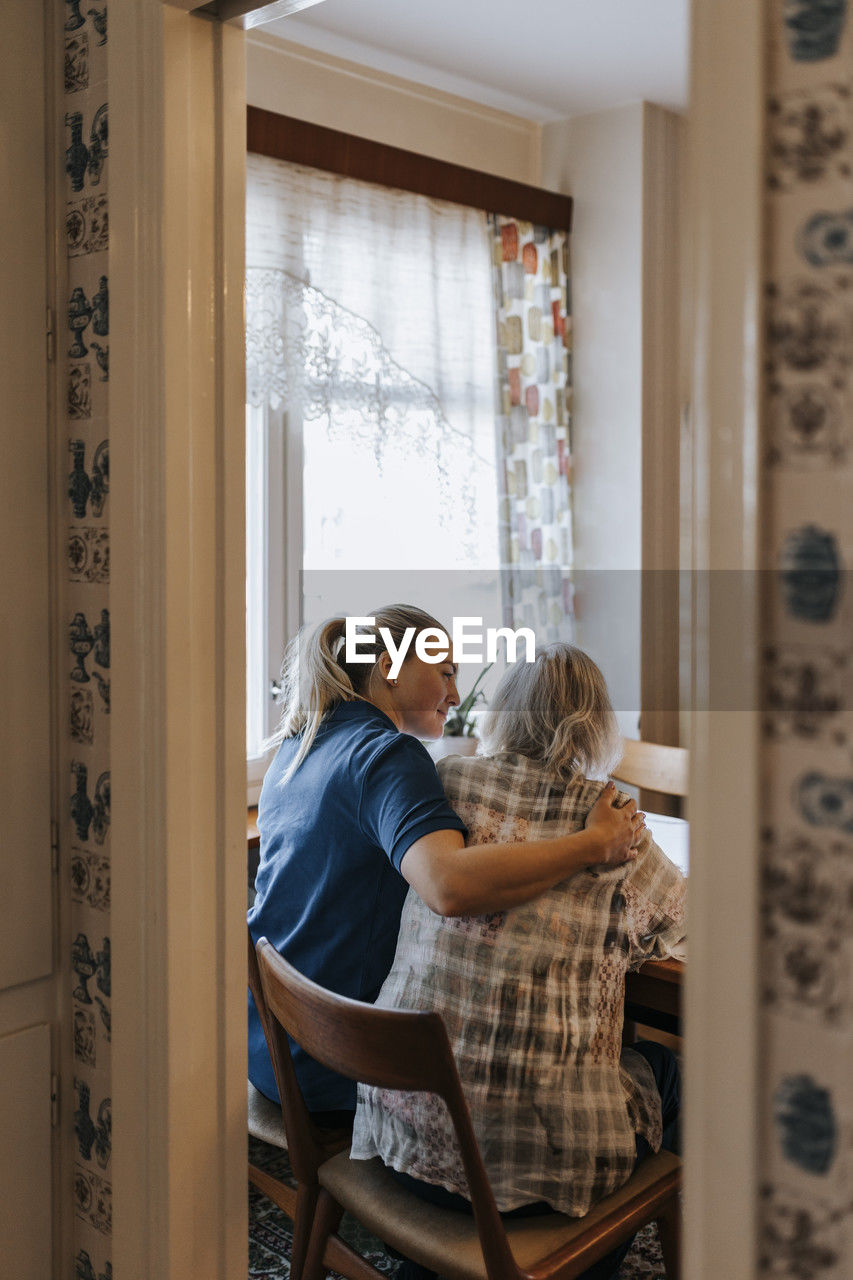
303,1217
327,1216
669,1234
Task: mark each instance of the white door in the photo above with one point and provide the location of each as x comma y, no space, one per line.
26,882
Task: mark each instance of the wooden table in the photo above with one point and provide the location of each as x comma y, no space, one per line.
653,995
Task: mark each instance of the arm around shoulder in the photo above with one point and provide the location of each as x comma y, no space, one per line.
457,881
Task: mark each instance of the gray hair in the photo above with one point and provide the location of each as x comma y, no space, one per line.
315,676
555,709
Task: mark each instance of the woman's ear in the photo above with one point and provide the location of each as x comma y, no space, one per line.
383,664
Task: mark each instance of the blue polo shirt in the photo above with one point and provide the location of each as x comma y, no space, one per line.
328,890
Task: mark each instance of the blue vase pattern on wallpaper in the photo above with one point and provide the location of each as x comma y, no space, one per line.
79,317
806,1123
75,19
810,569
77,155
102,356
102,639
826,801
98,144
85,160
85,967
82,808
104,1011
92,1135
81,643
101,808
103,979
84,225
84,1270
103,687
101,309
99,22
814,28
87,491
90,883
826,239
84,1126
76,63
79,483
81,716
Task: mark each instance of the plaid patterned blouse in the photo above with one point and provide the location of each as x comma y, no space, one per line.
533,1003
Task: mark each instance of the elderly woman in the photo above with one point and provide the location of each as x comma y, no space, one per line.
532,996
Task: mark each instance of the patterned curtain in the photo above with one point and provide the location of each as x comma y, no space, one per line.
531,277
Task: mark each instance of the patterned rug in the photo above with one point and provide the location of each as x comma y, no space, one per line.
270,1233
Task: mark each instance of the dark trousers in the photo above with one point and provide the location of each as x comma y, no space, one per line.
664,1065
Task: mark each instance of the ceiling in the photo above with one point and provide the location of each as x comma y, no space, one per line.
541,59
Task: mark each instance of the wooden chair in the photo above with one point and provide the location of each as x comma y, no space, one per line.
398,1049
265,1122
652,767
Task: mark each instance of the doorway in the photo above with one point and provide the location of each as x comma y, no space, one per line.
171,1006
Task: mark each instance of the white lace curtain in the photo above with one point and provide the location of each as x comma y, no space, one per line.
402,267
364,313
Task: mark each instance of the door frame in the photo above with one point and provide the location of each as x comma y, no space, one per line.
726,166
177,106
178,759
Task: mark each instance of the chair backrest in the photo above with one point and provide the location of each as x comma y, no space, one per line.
305,1149
389,1048
654,767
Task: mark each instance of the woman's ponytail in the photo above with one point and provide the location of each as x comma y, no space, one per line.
313,682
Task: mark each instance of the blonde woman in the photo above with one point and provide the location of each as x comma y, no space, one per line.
532,995
352,813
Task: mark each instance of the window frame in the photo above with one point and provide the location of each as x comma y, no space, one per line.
283,137
282,512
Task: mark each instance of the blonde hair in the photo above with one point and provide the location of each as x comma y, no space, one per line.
555,709
315,676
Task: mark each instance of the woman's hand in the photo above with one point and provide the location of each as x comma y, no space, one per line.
618,831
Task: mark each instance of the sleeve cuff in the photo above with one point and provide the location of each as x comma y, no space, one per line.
442,822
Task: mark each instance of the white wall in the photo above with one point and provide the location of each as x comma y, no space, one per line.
292,80
598,158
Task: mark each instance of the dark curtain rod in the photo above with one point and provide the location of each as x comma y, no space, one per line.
284,138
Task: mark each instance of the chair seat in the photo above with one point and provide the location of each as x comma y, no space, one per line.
265,1120
446,1241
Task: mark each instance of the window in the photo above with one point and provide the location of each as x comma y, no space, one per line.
371,469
